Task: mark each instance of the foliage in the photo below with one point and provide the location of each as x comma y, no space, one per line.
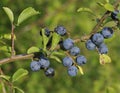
96,79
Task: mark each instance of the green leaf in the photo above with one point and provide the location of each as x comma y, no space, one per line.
85,10
5,48
58,53
110,90
100,4
19,74
107,1
8,36
118,16
56,58
104,58
33,49
45,39
20,90
109,7
80,70
55,40
6,77
110,24
26,13
9,12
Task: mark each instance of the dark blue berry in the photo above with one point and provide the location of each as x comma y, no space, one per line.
90,45
97,38
102,48
80,60
68,44
49,72
67,61
60,30
35,66
72,71
44,62
47,32
107,32
114,14
74,51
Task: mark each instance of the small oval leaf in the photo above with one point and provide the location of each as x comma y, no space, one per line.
109,7
104,59
55,40
19,74
86,10
45,39
6,77
33,50
20,90
9,12
81,70
110,24
26,13
56,58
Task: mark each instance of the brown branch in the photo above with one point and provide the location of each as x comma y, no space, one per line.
17,57
98,25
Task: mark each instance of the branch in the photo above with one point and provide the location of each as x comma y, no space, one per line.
98,25
17,57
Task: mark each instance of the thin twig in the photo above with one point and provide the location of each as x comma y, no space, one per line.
98,25
17,57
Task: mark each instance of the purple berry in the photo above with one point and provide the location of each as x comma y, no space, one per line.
72,71
90,45
80,60
97,38
44,62
68,44
67,61
60,30
114,14
50,72
107,32
74,51
102,48
35,66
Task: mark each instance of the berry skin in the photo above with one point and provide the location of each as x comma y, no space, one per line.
72,71
97,38
80,60
44,62
107,32
35,66
74,51
47,32
50,72
103,49
90,45
114,14
68,44
60,30
67,61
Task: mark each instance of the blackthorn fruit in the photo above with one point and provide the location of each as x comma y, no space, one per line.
72,70
68,44
80,60
60,30
35,66
90,45
74,51
102,48
49,72
67,61
44,62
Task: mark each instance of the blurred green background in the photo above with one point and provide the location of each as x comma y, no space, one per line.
97,78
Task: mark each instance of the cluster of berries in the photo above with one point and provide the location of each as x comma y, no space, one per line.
97,40
74,59
44,64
